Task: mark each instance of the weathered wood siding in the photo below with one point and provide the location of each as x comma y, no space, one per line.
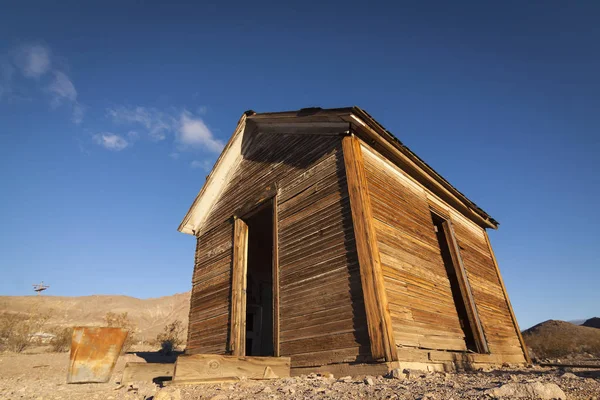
211,291
490,300
322,316
419,294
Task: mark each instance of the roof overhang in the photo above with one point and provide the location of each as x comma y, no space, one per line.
323,122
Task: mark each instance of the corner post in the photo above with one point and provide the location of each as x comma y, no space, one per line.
510,309
237,328
379,322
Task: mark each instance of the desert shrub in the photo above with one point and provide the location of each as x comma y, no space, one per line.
172,337
17,330
121,320
61,342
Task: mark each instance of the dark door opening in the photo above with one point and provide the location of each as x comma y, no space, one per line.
259,285
451,270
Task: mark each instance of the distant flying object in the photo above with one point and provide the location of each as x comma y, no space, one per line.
39,288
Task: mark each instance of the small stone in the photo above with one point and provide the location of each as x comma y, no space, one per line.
397,373
369,381
288,390
327,375
345,379
569,375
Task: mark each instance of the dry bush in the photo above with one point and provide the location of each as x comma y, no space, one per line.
17,330
115,320
61,342
172,337
558,339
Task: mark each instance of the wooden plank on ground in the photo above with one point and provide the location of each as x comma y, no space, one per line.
237,334
198,367
378,317
146,372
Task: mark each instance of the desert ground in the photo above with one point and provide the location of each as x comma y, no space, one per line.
39,372
40,375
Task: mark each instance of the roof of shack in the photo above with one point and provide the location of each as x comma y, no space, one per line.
323,120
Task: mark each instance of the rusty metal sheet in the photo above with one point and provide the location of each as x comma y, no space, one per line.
94,353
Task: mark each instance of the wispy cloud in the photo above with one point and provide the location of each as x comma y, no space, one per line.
194,132
34,62
111,141
157,123
188,131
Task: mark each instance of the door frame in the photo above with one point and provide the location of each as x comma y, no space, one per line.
237,333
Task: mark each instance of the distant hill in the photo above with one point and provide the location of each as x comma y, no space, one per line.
592,323
150,315
559,339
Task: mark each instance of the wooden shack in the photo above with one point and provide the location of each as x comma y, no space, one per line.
322,238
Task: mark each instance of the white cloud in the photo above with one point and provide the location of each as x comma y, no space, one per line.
110,141
156,122
194,132
62,88
188,130
34,60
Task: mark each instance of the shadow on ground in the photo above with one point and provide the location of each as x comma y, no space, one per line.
158,356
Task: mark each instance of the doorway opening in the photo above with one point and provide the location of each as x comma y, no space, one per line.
453,270
259,283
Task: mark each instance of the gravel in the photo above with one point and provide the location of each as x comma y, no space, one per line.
42,376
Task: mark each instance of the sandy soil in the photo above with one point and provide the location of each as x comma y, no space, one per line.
43,376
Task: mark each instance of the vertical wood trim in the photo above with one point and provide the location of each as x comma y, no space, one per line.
237,333
465,288
275,278
510,309
379,321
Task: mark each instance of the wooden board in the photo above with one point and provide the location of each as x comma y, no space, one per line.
417,285
211,292
146,372
317,270
376,306
208,366
465,288
510,309
237,334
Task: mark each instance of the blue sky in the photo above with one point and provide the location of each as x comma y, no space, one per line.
112,113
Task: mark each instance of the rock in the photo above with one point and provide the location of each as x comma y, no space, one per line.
327,375
288,390
569,375
369,381
168,395
397,373
535,390
345,379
